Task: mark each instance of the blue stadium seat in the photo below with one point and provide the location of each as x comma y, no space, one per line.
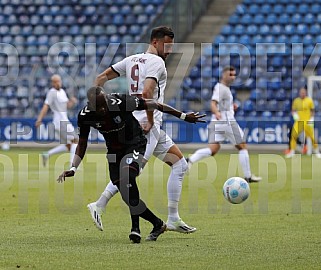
197,83
266,9
252,29
206,72
315,8
290,9
246,19
256,94
284,19
266,115
231,39
302,29
308,18
271,19
264,29
134,29
206,94
195,73
303,9
226,29
234,19
280,94
258,19
315,29
296,18
125,10
282,39
248,106
238,29
278,9
192,95
150,10
219,39
142,19
287,105
290,29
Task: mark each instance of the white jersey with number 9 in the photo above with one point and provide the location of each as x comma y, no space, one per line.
139,67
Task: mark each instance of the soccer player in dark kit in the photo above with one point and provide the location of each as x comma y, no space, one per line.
112,116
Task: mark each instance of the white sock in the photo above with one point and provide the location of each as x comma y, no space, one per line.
174,188
73,147
58,149
200,154
108,193
245,162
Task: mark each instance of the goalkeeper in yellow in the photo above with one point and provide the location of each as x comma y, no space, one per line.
303,116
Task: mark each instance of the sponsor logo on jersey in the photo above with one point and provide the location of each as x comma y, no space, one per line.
117,119
139,59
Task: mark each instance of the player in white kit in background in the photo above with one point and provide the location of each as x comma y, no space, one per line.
58,102
223,126
146,76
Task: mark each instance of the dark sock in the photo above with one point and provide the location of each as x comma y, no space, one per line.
135,222
149,216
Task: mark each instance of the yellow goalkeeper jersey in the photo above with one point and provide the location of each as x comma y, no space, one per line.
303,107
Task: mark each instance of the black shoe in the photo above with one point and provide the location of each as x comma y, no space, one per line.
135,236
253,179
157,231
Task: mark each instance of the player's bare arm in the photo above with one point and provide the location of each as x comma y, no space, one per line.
190,117
79,155
215,110
42,114
148,93
103,77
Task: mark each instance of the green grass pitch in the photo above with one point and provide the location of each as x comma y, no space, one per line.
46,225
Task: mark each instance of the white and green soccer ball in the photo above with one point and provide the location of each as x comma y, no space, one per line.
236,190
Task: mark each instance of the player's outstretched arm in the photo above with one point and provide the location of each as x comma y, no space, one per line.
188,117
79,155
42,114
103,77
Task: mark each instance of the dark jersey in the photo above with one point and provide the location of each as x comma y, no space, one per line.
119,127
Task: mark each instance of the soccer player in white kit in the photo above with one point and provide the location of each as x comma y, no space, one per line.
223,126
58,102
146,76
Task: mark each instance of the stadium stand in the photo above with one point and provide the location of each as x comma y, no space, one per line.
253,24
43,37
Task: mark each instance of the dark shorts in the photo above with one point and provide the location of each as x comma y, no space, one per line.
121,160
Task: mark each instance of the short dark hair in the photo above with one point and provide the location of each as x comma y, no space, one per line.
161,32
92,94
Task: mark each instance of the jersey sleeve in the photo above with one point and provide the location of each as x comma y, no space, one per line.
49,98
216,93
120,67
155,69
83,129
132,103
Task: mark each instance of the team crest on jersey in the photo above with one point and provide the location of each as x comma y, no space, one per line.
129,160
117,119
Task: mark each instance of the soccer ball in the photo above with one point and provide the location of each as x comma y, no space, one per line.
236,190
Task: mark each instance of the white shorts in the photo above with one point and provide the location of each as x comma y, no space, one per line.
65,132
221,131
158,143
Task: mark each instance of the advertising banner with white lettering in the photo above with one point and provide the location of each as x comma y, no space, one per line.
255,132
